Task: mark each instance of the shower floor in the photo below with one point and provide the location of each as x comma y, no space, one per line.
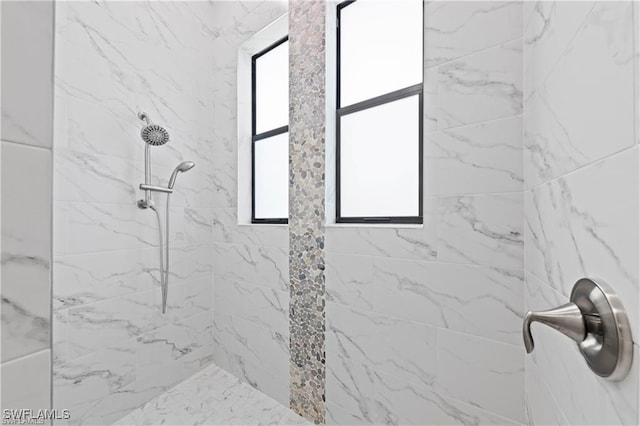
212,397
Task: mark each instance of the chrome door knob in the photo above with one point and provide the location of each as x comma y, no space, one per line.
596,320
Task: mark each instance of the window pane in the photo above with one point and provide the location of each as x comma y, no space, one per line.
272,89
379,160
380,48
272,177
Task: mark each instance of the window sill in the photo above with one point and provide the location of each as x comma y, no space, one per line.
375,225
279,225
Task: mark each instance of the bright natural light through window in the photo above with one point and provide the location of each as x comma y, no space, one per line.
270,137
379,111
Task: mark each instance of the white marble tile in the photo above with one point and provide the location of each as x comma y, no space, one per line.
541,407
456,29
83,384
349,280
572,112
411,243
87,278
404,349
187,264
430,100
27,95
257,376
479,158
468,366
263,306
477,300
184,300
405,403
99,325
583,397
26,249
350,380
480,87
227,230
258,345
264,266
481,229
78,177
158,350
337,416
549,28
93,127
97,227
585,224
26,382
213,396
60,228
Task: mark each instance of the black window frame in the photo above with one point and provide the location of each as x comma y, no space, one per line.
260,136
396,95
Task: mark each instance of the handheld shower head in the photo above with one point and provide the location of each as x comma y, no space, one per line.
152,134
182,167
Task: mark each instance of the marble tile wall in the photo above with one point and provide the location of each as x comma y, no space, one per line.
251,262
113,350
422,321
26,204
581,199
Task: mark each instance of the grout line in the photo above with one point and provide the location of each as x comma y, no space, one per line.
477,123
584,166
483,50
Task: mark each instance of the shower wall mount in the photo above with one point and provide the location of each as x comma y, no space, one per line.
154,135
596,320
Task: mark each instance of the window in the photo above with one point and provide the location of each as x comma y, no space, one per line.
270,134
379,111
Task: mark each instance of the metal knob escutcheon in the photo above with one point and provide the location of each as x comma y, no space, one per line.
596,320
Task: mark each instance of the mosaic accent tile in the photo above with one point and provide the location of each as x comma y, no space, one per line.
306,207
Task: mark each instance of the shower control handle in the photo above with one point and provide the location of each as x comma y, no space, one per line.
596,320
567,319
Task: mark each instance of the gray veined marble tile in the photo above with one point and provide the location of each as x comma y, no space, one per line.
404,349
548,30
101,227
430,100
263,306
27,83
405,403
477,300
26,249
455,29
412,243
573,119
480,87
158,350
585,225
469,365
99,325
26,382
263,266
349,280
255,344
483,229
213,396
227,230
479,158
540,403
87,278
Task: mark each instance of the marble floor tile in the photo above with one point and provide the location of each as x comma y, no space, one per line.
212,397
